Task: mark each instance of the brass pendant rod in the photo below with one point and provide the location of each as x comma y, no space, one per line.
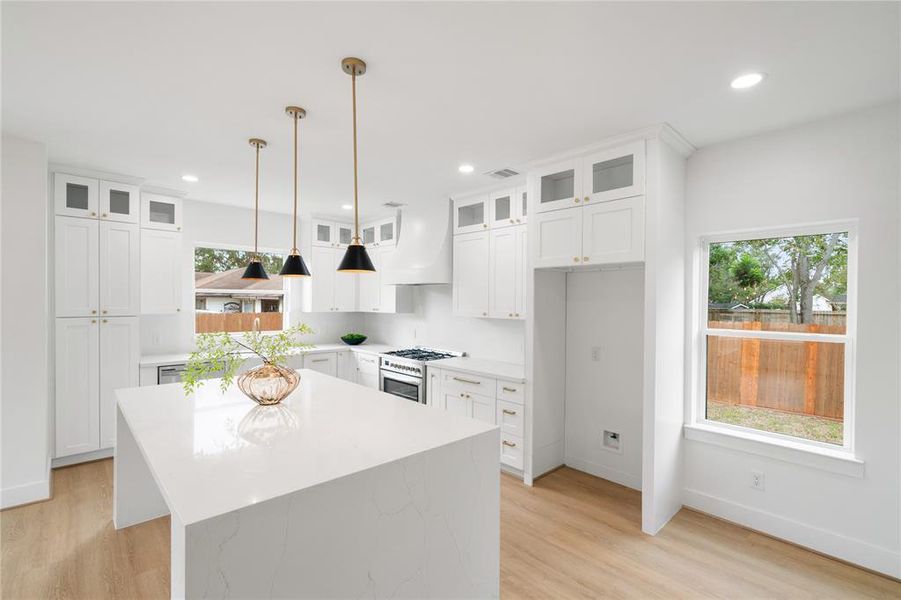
294,237
256,207
353,84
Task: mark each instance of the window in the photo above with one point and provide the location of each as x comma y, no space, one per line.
225,302
777,332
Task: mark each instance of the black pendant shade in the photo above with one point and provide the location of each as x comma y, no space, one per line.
356,260
294,267
255,270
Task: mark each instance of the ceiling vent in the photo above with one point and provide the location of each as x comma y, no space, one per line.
393,204
502,173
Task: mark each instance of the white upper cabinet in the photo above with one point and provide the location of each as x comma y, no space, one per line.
345,287
522,204
613,232
344,234
119,202
370,284
119,357
77,386
75,196
369,232
503,209
557,236
505,273
160,272
614,173
331,291
76,266
161,212
120,281
558,185
471,274
324,233
471,214
522,264
387,232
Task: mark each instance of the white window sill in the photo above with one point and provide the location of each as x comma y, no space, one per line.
826,459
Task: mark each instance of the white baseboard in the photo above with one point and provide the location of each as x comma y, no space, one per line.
24,494
74,459
547,458
858,552
604,472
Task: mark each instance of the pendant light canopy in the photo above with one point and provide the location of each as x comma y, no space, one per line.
255,268
356,259
294,265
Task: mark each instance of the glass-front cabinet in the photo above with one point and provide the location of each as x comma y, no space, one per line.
75,196
323,233
471,213
369,234
160,212
344,233
119,202
614,173
522,203
387,232
503,208
558,185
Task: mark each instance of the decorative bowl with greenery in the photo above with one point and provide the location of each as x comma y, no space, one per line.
223,354
353,339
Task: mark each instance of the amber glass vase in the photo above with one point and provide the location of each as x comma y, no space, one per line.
268,383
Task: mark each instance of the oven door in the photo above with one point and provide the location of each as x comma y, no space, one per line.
405,386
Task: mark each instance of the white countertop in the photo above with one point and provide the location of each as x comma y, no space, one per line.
155,360
212,453
491,368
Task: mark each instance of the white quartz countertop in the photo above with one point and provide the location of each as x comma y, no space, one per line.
211,453
155,360
490,368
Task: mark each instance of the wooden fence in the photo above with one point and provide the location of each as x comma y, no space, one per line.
798,377
216,322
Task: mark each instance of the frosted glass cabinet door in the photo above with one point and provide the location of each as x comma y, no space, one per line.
119,202
387,232
344,233
471,214
558,185
161,212
324,233
522,205
77,386
119,357
614,173
76,271
75,196
503,209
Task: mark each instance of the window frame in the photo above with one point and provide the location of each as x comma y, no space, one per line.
238,248
700,331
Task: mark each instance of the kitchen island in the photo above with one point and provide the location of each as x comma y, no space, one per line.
340,491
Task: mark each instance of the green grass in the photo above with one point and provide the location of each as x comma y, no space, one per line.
803,426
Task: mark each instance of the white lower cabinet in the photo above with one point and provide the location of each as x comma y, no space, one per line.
367,369
161,272
94,357
347,366
496,401
323,362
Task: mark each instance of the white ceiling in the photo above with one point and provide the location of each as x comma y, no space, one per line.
157,90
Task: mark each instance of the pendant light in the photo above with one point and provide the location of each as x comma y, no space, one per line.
355,260
255,268
294,265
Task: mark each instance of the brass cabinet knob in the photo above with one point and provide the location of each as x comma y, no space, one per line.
485,225
93,312
510,315
103,321
93,214
484,314
584,259
575,259
587,198
93,320
102,215
178,228
177,309
576,200
103,312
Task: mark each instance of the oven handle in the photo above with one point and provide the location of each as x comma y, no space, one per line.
400,376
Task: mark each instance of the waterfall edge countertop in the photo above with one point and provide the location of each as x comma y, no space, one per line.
211,453
480,366
155,360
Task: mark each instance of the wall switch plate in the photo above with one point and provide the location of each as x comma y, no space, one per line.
596,353
611,440
758,481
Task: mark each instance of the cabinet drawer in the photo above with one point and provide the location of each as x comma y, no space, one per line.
326,362
454,380
510,418
511,450
511,392
367,363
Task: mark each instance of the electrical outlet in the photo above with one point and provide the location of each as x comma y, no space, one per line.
758,481
596,353
610,440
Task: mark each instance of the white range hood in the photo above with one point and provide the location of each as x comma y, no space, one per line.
424,246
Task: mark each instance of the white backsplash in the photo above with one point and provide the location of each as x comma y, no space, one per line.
433,324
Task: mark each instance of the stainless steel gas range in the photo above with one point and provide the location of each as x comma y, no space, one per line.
402,372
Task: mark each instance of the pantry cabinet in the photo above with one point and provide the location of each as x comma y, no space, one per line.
120,281
161,275
119,202
507,273
609,174
75,196
77,406
161,212
119,356
470,274
76,267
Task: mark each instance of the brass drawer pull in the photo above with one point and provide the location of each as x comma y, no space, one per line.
507,411
319,360
509,444
508,389
467,380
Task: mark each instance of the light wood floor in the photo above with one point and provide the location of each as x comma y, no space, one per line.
571,536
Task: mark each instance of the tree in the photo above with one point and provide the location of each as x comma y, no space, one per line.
216,260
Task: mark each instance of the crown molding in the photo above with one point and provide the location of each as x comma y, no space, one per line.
95,174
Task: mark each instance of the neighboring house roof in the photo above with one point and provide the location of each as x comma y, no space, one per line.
230,282
727,306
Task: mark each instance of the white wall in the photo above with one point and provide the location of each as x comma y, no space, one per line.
605,310
433,324
217,224
843,167
24,357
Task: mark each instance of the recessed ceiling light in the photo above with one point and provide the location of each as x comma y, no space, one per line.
190,178
464,168
747,80
347,206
